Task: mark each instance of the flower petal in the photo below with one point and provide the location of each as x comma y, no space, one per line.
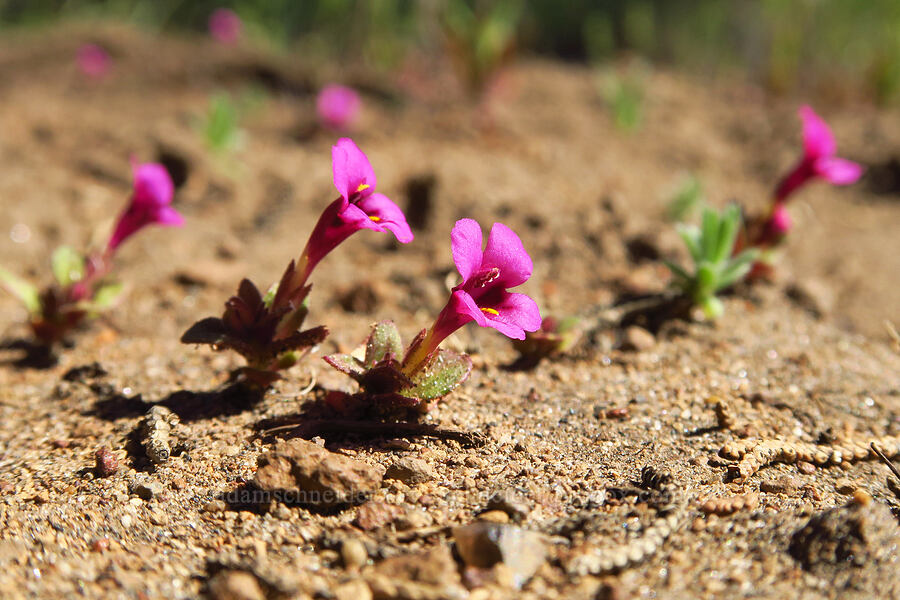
818,140
516,314
505,251
351,168
465,243
169,216
152,186
838,170
388,215
463,304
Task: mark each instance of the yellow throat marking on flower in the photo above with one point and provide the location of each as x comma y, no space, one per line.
363,186
376,219
490,311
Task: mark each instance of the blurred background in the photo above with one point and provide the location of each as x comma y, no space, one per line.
829,49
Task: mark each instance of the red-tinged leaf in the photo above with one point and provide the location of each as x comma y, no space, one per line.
349,365
206,331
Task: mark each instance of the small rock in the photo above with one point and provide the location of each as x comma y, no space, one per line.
353,553
413,519
637,339
100,544
375,513
494,516
106,462
353,590
510,502
304,473
145,488
435,567
807,468
214,506
235,585
845,486
785,484
483,545
410,470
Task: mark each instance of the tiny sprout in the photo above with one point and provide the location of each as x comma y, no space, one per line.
481,40
220,125
82,288
715,268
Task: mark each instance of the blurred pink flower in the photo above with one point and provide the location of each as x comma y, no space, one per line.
337,107
819,158
93,61
358,207
150,203
225,26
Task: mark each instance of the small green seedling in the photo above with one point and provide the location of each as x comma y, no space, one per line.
220,125
686,200
715,268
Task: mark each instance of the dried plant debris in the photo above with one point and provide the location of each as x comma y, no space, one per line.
756,454
668,501
731,504
155,431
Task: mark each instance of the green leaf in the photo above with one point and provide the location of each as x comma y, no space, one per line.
67,265
709,234
691,237
737,267
682,278
346,363
106,296
445,372
270,295
384,340
21,289
728,229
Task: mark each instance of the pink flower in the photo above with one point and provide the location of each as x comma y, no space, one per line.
337,107
150,203
358,207
483,296
93,61
225,26
819,160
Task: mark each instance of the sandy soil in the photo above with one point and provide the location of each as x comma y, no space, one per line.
588,202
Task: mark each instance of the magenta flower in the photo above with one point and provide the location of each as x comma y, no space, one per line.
819,160
358,207
337,107
150,203
93,61
483,296
225,26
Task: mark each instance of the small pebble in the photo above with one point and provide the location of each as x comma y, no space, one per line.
235,585
354,554
845,486
106,462
807,468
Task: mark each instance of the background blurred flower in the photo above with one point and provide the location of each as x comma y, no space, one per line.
338,107
93,61
225,26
